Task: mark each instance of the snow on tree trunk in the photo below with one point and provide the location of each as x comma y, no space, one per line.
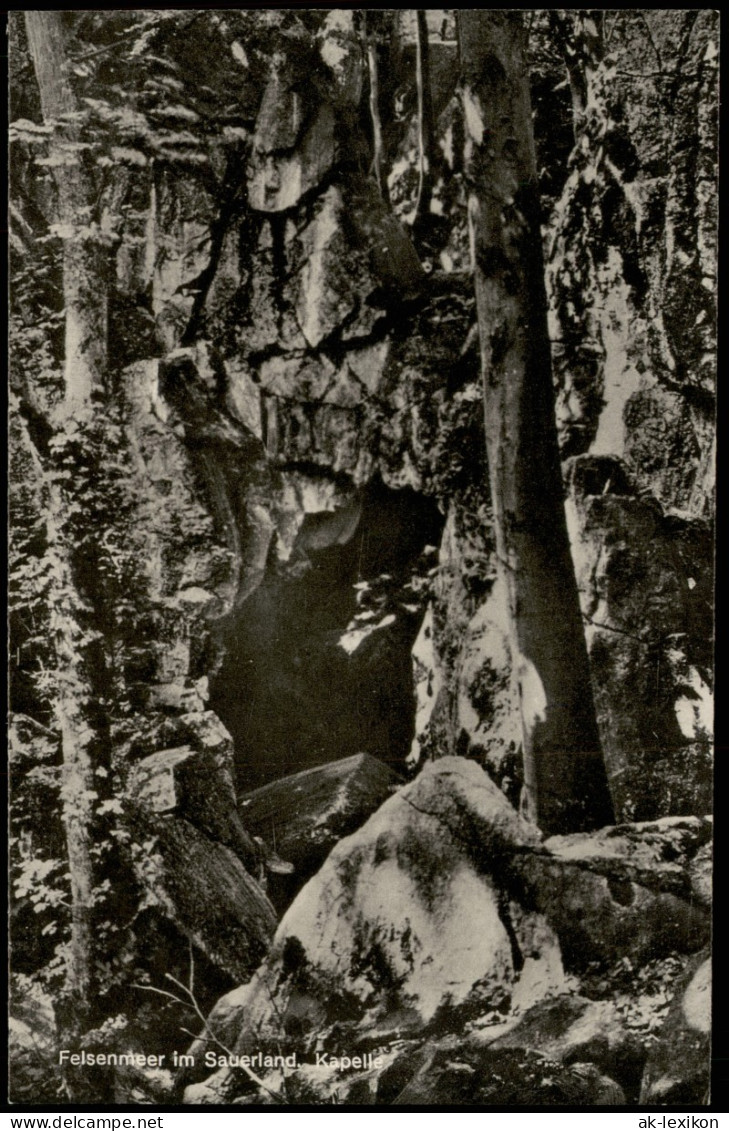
566,784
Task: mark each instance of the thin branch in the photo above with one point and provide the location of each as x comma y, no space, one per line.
162,993
612,628
642,17
255,1079
138,29
102,50
609,35
657,74
176,982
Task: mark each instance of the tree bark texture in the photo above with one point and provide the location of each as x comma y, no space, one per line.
78,793
426,128
378,145
566,784
580,37
84,370
84,283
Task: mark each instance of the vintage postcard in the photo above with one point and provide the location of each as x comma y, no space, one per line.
362,444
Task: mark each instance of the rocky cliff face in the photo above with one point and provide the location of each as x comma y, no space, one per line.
302,411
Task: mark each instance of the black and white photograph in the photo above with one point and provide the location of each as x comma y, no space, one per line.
362,372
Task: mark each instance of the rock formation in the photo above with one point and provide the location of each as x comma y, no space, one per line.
309,775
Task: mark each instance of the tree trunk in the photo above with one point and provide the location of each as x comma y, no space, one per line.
426,128
84,368
378,149
84,288
566,784
580,37
78,794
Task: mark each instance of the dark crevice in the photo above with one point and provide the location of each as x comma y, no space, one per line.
308,699
233,203
40,430
505,915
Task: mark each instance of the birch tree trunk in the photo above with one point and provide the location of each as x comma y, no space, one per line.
565,780
73,642
84,286
78,792
426,125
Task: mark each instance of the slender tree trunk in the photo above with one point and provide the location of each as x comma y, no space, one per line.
78,781
84,368
426,128
378,148
84,288
580,37
566,784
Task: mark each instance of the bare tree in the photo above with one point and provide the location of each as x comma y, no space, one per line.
373,70
83,251
566,783
84,372
426,124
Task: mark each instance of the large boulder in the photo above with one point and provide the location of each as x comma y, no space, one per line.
203,889
658,854
449,1073
188,782
677,1071
621,893
407,920
194,858
646,591
572,1029
304,815
447,913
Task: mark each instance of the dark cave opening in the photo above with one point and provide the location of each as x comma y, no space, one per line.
290,693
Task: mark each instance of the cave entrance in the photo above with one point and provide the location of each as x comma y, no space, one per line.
295,689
